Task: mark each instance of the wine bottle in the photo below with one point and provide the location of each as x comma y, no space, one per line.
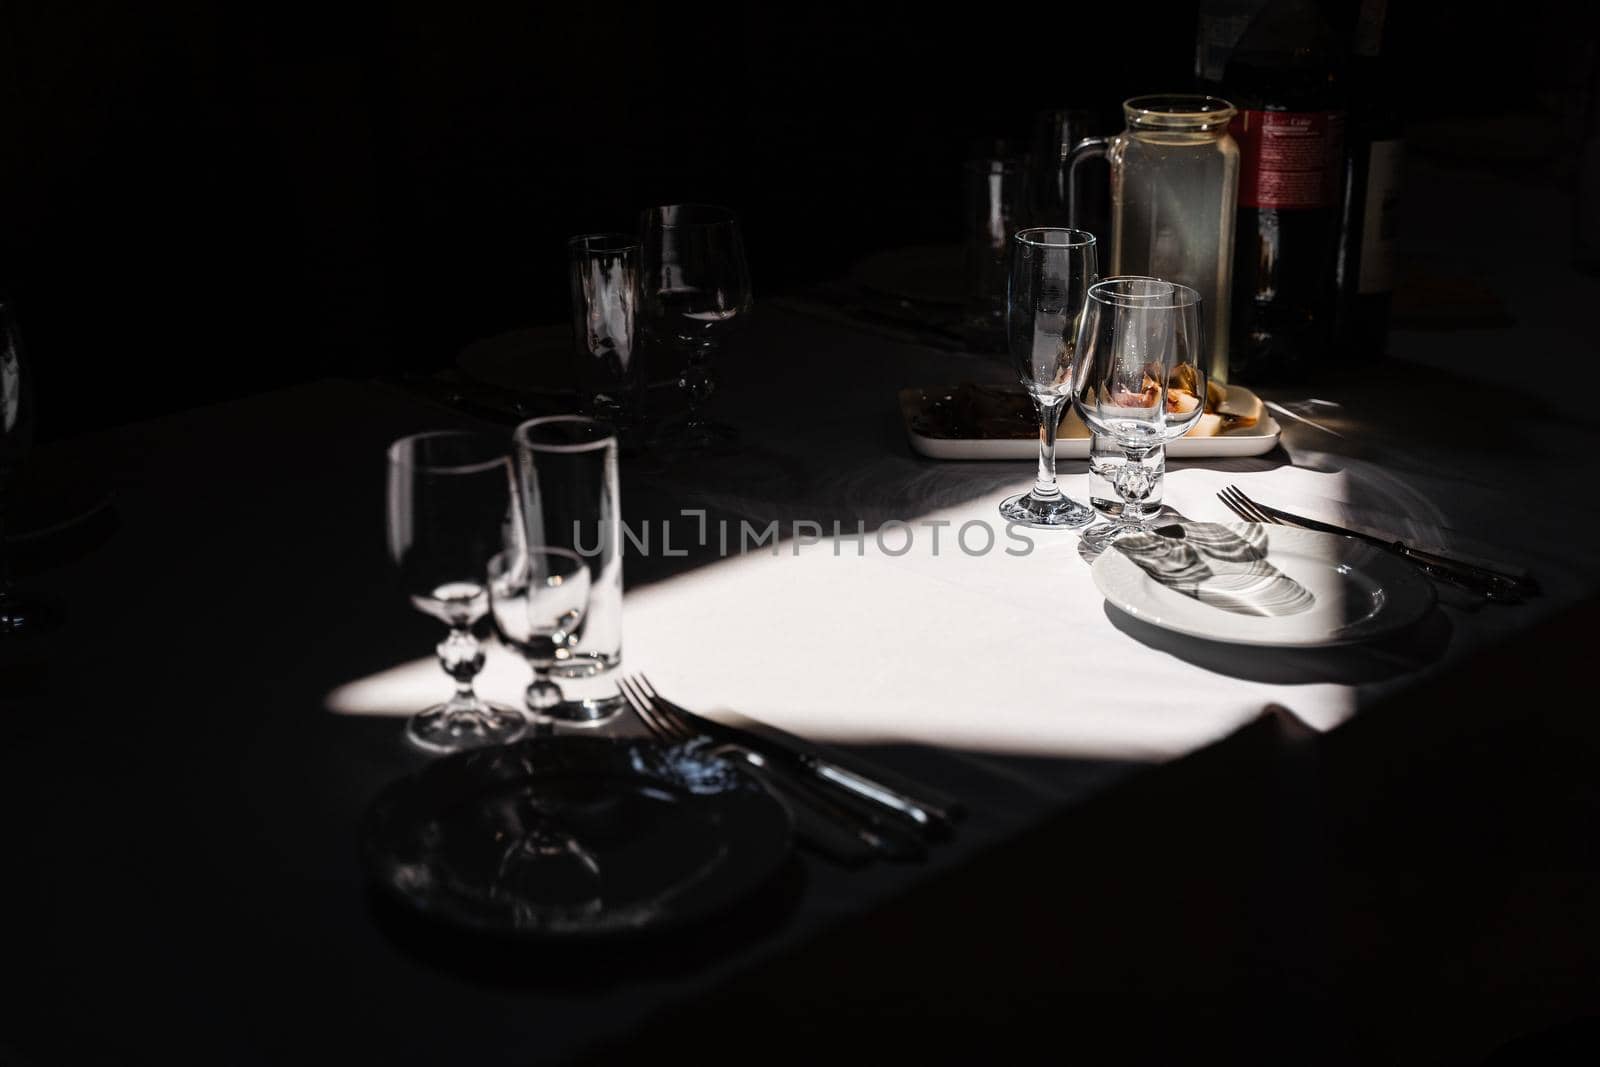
1367,256
1286,75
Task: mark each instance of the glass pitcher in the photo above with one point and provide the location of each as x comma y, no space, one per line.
1174,184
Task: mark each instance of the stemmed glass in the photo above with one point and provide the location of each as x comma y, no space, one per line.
1051,270
539,597
1138,380
695,287
452,509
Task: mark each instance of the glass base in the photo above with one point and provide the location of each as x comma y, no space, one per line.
589,712
581,665
453,728
1103,535
1061,512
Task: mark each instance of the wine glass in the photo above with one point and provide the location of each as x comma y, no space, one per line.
452,509
538,600
1138,380
695,287
1051,270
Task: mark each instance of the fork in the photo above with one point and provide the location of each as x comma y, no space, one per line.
825,824
1488,584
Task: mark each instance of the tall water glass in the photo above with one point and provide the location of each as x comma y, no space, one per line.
1138,380
451,510
1050,272
1045,196
993,188
604,272
571,502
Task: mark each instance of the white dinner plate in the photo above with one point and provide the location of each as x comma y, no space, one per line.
1356,592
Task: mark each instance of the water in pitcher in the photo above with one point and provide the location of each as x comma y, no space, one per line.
1174,186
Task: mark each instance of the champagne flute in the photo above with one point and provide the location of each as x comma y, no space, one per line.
1051,269
452,509
1139,380
695,288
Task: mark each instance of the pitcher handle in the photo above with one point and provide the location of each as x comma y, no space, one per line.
1086,149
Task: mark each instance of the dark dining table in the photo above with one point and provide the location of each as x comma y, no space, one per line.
1368,854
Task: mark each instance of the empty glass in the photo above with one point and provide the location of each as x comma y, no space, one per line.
1138,380
450,511
539,599
604,270
993,189
1045,195
571,503
696,286
1051,270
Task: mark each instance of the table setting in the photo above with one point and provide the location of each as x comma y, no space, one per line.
746,619
532,823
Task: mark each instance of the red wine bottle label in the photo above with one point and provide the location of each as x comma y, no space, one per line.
1289,160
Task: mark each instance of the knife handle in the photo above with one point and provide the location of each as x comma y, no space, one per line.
928,818
1492,587
1510,582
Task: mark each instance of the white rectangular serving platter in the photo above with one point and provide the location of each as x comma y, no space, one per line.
1072,441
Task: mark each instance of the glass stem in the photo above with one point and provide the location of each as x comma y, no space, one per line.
1133,483
1044,486
461,656
696,380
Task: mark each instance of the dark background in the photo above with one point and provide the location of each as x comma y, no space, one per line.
203,200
